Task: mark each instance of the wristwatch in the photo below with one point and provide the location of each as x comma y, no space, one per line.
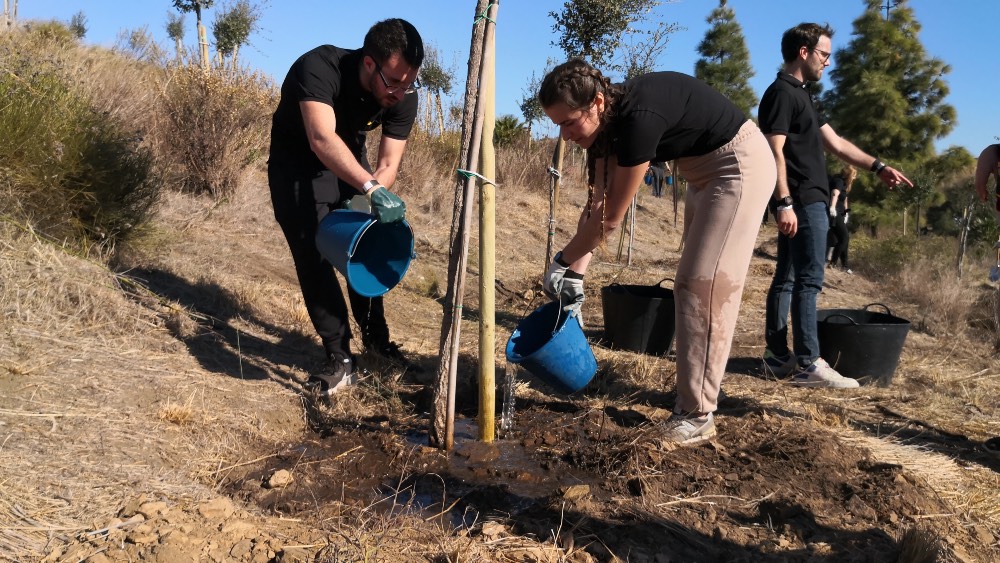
786,201
369,186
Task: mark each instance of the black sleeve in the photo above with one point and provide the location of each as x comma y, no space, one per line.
315,80
775,112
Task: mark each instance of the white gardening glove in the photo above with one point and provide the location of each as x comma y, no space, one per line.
571,296
553,281
833,212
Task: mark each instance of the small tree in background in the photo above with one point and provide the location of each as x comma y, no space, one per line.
197,6
78,25
507,131
232,29
437,80
604,32
531,108
725,63
175,31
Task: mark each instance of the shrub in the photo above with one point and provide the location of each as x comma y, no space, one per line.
215,126
68,170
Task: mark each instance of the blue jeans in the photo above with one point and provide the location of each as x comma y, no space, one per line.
798,279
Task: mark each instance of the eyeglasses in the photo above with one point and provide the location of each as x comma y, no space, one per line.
392,89
824,54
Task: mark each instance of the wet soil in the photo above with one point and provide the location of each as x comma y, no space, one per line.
599,482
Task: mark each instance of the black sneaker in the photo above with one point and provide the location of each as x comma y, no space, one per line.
392,352
338,373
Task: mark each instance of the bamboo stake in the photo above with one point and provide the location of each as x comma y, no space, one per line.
487,247
439,407
555,175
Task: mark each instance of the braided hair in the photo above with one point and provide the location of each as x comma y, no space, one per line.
576,83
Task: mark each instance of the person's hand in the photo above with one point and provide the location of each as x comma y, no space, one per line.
833,212
788,222
571,295
892,177
386,205
846,215
553,281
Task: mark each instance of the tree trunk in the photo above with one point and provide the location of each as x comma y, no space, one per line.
179,45
440,112
439,408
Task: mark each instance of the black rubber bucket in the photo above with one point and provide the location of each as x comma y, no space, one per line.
639,318
862,344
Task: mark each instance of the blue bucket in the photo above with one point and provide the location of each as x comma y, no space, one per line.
373,256
551,345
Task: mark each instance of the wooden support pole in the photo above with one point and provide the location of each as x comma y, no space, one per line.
487,246
555,175
438,431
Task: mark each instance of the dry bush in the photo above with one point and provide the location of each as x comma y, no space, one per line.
70,169
215,127
946,302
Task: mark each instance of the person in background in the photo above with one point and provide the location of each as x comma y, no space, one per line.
987,165
658,117
330,98
655,177
798,137
839,237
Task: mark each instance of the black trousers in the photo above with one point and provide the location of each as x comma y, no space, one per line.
300,203
838,239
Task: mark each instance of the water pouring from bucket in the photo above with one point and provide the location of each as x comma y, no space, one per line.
551,345
372,256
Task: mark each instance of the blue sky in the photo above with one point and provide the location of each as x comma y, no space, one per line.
960,32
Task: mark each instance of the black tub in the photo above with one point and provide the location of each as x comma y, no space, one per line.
639,318
862,344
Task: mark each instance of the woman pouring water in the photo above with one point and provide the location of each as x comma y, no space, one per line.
731,173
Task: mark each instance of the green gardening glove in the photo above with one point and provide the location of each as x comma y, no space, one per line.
386,205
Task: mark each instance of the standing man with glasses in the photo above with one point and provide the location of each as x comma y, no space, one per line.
798,136
330,99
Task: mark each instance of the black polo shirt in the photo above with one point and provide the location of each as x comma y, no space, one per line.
787,109
668,115
330,75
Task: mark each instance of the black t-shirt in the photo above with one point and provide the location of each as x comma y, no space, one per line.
668,115
837,183
787,109
330,75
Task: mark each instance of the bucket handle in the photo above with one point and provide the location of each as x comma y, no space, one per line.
660,283
887,311
834,315
350,252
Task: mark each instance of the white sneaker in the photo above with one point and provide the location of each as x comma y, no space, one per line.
820,374
680,430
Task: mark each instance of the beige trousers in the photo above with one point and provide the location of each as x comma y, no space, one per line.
728,190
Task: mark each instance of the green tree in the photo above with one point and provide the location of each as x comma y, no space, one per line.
606,32
507,130
437,80
78,24
175,31
725,59
197,6
888,95
531,108
232,28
